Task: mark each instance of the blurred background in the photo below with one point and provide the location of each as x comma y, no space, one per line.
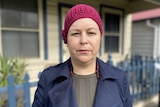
30,41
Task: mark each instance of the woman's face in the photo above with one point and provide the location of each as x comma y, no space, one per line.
83,40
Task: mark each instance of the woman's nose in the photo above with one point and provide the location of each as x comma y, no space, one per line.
83,39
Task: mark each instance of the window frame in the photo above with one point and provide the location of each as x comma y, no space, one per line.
116,11
65,51
39,30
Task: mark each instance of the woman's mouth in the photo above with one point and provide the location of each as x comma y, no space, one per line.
83,51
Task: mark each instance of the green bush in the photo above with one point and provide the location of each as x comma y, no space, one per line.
11,66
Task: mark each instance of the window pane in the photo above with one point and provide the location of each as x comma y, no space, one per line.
19,13
112,22
10,43
30,44
111,44
23,44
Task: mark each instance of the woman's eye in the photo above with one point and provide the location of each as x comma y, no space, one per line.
74,34
91,33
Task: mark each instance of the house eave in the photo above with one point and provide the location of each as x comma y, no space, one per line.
141,5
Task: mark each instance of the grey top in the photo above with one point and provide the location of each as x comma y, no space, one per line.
85,88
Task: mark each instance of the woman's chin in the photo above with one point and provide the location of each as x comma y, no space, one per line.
84,59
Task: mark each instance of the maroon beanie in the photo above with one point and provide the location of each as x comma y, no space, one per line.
77,12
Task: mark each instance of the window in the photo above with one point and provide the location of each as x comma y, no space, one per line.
17,43
19,24
111,44
112,22
19,13
112,18
112,26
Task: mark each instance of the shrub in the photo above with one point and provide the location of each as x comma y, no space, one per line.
11,66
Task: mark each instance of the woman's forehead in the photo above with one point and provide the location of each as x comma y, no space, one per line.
84,22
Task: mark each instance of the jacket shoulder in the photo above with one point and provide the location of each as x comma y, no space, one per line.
111,71
52,72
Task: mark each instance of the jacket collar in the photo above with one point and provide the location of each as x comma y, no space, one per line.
106,71
62,94
63,70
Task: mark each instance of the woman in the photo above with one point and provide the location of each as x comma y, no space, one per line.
83,80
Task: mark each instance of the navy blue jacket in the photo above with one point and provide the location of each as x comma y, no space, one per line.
55,87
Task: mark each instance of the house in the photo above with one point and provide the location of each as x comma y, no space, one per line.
31,29
146,33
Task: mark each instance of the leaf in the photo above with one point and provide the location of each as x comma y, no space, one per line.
14,66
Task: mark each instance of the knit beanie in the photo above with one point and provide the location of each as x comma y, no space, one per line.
77,12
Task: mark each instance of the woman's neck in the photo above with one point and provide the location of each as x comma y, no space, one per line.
84,68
